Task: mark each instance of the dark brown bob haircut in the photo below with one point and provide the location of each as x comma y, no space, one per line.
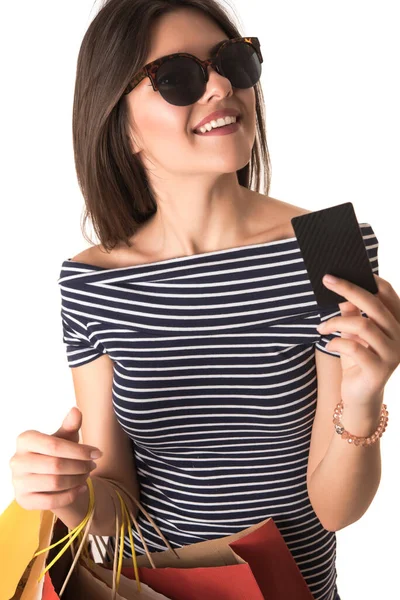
113,181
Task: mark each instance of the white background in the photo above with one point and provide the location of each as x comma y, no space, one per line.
330,80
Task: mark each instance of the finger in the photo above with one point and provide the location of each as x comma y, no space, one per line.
70,425
365,329
34,483
41,443
348,309
389,297
351,337
51,465
362,356
48,501
368,303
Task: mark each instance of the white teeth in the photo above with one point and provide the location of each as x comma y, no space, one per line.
217,123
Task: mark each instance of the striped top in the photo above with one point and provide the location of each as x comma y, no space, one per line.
215,383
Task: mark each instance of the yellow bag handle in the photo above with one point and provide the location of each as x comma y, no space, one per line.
134,560
85,524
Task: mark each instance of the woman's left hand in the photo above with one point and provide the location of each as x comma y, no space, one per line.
370,346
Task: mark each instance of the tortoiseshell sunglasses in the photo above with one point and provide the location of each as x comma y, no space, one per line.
181,78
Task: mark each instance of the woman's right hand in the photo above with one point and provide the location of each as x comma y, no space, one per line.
50,471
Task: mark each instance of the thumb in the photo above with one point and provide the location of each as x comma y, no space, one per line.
71,425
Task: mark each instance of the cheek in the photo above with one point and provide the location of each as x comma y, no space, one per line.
157,121
248,100
162,124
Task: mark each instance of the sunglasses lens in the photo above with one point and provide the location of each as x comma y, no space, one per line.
239,62
180,81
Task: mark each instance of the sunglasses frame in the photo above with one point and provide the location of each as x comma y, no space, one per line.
150,70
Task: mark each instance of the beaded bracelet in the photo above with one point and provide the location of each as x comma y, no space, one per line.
354,439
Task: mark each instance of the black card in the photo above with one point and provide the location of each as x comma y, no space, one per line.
331,241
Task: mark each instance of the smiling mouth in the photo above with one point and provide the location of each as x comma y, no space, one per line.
198,132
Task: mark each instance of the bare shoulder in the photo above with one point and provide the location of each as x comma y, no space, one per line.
97,256
277,215
285,210
85,255
289,211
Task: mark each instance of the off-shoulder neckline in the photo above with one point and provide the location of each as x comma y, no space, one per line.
70,262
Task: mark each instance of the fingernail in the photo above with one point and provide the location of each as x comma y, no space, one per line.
330,279
96,454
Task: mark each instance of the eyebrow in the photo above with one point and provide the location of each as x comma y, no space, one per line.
210,53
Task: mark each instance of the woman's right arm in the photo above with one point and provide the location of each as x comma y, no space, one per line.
65,464
100,428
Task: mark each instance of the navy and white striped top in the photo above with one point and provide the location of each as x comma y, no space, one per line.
215,383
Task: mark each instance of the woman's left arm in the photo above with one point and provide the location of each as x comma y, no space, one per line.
345,482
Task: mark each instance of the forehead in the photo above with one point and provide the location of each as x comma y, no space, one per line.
184,30
202,55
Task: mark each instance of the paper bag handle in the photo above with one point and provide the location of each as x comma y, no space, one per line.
117,486
82,531
84,526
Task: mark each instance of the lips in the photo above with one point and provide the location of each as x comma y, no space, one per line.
224,130
218,114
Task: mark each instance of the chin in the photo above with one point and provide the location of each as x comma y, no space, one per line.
235,163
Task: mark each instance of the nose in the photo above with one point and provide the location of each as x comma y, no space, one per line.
217,85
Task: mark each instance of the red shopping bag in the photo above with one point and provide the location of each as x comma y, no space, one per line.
229,582
259,550
49,592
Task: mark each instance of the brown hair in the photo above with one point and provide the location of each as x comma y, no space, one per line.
113,181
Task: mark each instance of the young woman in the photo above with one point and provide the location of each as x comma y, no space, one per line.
191,329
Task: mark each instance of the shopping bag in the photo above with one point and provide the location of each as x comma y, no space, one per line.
19,538
67,573
226,582
233,582
252,564
261,549
259,555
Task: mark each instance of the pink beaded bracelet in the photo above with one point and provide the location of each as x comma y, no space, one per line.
354,439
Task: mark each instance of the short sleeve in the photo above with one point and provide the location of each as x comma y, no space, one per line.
80,347
371,245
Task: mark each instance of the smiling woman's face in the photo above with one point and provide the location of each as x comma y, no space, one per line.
163,133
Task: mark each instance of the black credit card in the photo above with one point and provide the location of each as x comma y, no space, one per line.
331,241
